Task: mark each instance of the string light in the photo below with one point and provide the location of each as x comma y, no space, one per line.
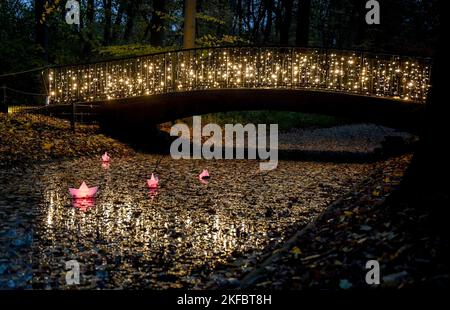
392,77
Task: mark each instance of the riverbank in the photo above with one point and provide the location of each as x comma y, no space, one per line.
375,221
25,138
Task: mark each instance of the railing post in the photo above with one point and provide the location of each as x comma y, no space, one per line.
165,75
327,69
4,107
226,67
292,67
194,65
72,119
361,68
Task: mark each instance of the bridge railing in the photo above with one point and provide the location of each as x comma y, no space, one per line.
361,73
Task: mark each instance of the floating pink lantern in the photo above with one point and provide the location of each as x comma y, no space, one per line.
153,182
204,175
83,192
105,157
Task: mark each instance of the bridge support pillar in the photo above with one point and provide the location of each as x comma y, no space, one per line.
139,133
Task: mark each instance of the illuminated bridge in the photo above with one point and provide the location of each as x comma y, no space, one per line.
168,85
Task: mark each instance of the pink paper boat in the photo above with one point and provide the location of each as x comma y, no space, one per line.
105,157
83,192
153,182
204,175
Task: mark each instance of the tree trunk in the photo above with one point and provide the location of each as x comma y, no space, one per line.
41,31
157,23
268,27
107,27
285,21
326,33
302,31
199,8
132,9
357,27
90,11
426,182
118,20
189,24
257,15
240,18
90,28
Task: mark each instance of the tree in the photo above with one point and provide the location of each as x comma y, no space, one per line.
118,20
90,13
41,35
426,182
132,9
269,6
239,17
107,5
189,24
157,23
284,20
302,31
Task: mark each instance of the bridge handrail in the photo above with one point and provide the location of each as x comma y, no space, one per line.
355,72
318,48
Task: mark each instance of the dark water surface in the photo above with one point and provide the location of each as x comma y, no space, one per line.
132,237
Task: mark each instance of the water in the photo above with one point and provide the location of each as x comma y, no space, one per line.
129,237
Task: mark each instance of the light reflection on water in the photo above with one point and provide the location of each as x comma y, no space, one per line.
151,225
181,226
105,165
83,204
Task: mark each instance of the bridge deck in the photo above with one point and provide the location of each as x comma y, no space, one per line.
154,109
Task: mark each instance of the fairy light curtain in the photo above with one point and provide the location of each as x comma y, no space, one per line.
394,77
